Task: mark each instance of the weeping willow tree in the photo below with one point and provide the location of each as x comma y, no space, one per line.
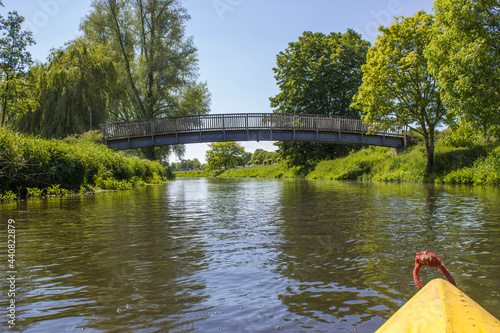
74,86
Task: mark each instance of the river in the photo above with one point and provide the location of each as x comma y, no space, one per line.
244,255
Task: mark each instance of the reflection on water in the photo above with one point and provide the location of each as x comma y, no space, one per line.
246,255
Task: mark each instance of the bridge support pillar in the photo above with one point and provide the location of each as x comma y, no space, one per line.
396,151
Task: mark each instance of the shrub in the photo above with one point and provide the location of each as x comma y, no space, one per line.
29,165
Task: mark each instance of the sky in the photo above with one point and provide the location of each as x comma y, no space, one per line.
237,40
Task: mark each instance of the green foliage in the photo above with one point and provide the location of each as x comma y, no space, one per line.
11,159
260,157
112,184
398,89
462,135
478,164
353,167
484,171
187,165
260,171
14,61
307,154
256,171
156,63
34,192
58,166
89,137
79,80
8,196
454,158
56,190
319,74
408,166
465,59
224,155
194,173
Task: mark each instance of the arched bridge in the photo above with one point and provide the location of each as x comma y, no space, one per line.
247,127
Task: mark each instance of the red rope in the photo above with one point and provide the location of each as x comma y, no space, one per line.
427,258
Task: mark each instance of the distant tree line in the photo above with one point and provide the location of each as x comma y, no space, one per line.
225,155
262,157
187,165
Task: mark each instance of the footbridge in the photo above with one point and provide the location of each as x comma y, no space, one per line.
248,127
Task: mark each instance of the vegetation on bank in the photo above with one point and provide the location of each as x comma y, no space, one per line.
34,167
475,164
255,171
114,71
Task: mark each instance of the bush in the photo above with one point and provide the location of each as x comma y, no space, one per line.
31,165
484,171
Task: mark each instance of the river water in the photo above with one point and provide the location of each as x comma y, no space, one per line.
244,255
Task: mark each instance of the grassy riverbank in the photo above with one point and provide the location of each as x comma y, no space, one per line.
33,167
478,164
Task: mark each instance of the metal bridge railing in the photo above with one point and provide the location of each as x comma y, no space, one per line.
235,122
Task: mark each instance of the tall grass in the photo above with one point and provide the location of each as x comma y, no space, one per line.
28,162
356,166
485,170
478,164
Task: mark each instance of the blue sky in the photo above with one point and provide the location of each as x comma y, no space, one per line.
237,40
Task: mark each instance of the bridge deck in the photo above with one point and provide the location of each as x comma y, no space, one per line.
247,127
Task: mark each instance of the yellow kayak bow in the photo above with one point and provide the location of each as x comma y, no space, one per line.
442,308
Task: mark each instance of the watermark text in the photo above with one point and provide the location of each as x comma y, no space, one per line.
12,272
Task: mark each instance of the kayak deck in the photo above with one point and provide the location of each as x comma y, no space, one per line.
441,307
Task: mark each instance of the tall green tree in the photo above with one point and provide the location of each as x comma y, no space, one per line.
318,74
158,64
465,59
74,87
224,155
398,89
15,61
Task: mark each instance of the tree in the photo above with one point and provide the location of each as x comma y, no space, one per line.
74,86
224,155
398,89
465,59
319,74
247,158
187,165
14,63
157,63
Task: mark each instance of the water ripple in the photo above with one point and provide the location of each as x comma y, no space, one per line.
202,255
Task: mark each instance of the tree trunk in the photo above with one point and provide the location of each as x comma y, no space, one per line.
429,151
4,110
430,160
5,101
